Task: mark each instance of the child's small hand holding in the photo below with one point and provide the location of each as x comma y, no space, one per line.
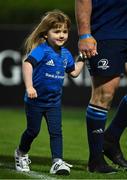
32,93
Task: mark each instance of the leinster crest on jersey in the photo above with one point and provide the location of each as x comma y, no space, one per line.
65,63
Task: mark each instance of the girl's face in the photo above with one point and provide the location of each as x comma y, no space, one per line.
57,36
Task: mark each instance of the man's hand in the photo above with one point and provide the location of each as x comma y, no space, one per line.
88,47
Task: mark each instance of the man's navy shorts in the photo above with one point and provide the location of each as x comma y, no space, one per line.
111,58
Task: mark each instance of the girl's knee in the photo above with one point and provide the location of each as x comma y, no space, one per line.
32,132
56,134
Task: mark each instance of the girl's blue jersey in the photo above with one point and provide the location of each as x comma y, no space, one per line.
109,19
48,74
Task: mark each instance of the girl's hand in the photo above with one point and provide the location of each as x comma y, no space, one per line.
31,92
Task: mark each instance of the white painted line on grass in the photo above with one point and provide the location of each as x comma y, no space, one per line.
32,174
35,174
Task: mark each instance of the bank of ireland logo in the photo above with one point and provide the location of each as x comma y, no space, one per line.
103,64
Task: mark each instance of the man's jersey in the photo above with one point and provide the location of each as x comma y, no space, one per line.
109,19
48,74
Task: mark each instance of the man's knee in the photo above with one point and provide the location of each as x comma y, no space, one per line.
106,98
103,99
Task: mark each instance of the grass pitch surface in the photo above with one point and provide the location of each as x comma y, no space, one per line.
12,124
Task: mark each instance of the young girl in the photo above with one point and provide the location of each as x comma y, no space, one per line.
43,70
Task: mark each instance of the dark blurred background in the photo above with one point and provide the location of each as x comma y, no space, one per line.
29,11
17,18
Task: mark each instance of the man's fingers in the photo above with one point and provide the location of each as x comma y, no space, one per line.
88,47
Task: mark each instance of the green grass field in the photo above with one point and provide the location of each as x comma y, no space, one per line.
12,124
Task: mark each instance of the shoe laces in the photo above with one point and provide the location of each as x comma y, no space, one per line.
25,161
67,164
61,162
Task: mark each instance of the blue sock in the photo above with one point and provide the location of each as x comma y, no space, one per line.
96,118
119,123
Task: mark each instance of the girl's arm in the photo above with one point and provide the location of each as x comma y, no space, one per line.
78,67
27,71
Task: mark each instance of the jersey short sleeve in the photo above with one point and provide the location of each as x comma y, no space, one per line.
70,63
36,55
